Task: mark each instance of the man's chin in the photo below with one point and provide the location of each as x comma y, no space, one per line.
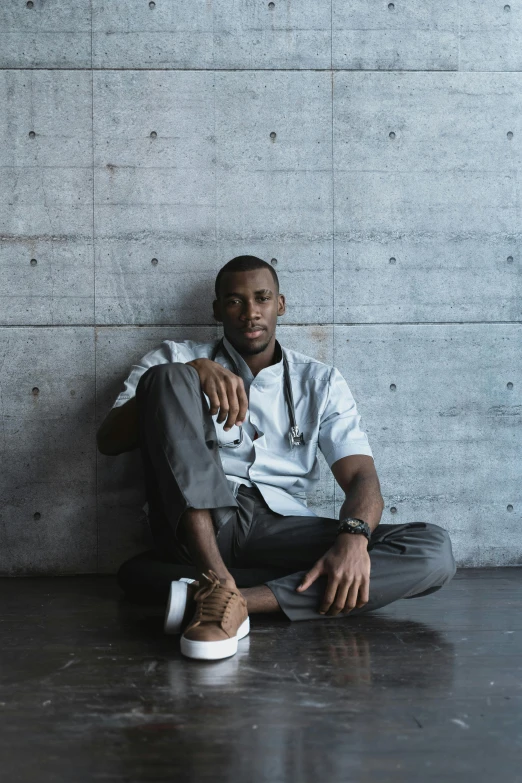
253,347
252,350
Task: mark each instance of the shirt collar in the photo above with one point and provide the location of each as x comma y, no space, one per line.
270,374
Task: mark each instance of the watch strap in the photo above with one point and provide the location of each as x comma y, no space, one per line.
355,526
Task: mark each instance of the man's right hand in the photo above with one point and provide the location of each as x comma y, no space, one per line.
225,391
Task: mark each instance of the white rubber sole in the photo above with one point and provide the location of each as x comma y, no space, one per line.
176,605
211,651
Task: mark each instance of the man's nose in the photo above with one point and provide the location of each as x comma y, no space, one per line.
249,310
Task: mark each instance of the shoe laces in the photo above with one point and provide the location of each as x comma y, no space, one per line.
213,600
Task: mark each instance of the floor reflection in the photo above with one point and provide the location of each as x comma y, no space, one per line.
426,689
294,694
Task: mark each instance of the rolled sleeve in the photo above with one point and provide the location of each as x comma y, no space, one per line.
340,433
164,354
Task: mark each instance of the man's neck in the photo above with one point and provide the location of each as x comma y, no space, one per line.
257,362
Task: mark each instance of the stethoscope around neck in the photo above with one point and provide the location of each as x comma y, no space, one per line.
294,436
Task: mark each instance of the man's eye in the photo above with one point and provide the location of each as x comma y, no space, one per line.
234,301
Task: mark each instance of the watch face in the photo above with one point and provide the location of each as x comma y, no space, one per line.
355,526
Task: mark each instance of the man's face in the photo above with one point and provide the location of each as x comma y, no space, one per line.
248,306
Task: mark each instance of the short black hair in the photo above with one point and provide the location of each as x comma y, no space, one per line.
245,264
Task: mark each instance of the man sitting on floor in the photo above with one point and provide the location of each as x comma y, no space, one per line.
228,431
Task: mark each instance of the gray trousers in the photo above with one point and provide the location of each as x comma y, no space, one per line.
183,470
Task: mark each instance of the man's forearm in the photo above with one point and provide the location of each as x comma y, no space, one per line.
363,500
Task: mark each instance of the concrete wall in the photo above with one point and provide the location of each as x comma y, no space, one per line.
390,199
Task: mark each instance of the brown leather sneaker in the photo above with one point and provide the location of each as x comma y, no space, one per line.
221,619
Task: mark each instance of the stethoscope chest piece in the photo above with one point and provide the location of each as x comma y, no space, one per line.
295,437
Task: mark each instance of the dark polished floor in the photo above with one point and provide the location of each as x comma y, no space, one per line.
425,689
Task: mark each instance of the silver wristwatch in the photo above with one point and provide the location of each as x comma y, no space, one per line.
354,525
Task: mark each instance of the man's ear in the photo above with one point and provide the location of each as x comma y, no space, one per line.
281,310
215,308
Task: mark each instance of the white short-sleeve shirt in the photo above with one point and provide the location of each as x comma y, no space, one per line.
326,413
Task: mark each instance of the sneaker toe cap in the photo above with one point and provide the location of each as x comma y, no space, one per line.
206,633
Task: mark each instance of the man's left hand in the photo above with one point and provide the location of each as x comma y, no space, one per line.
347,566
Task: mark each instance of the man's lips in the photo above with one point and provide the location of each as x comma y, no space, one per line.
253,331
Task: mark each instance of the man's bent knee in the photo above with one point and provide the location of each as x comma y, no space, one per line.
169,369
441,556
